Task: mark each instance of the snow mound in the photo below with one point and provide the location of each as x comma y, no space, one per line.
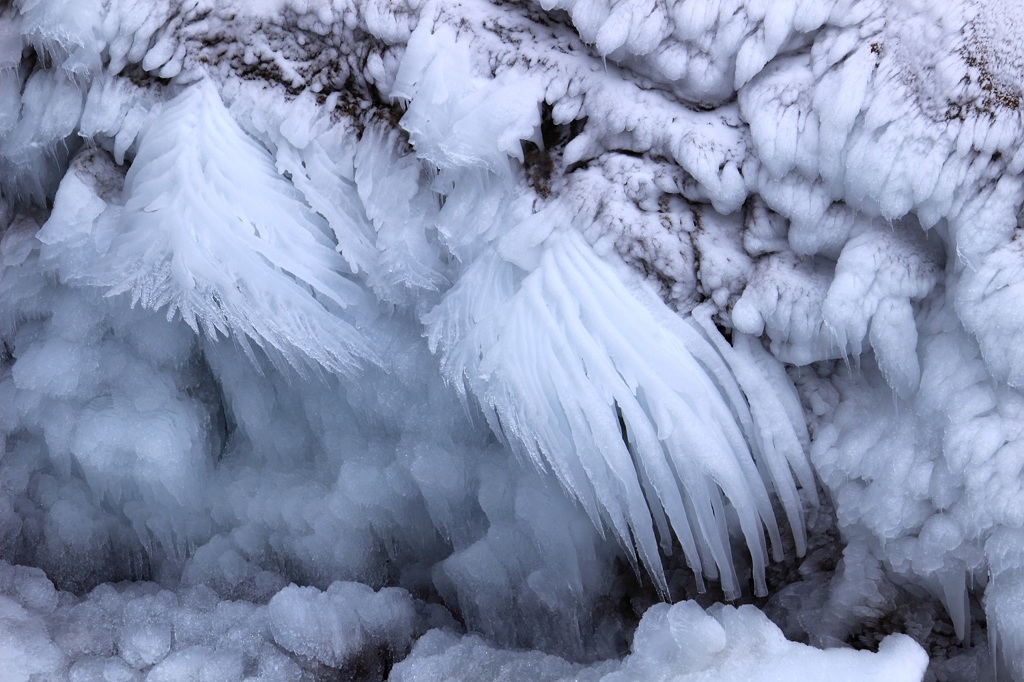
336,626
681,642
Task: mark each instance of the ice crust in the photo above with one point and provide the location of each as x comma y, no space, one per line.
451,336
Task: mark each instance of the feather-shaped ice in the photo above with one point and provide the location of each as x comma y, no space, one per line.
212,232
635,412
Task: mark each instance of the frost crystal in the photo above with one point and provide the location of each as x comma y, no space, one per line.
431,339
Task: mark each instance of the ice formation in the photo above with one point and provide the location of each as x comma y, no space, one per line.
453,339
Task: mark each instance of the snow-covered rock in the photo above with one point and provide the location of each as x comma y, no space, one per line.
530,314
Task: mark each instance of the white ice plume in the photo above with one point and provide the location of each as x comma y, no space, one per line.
212,232
635,411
